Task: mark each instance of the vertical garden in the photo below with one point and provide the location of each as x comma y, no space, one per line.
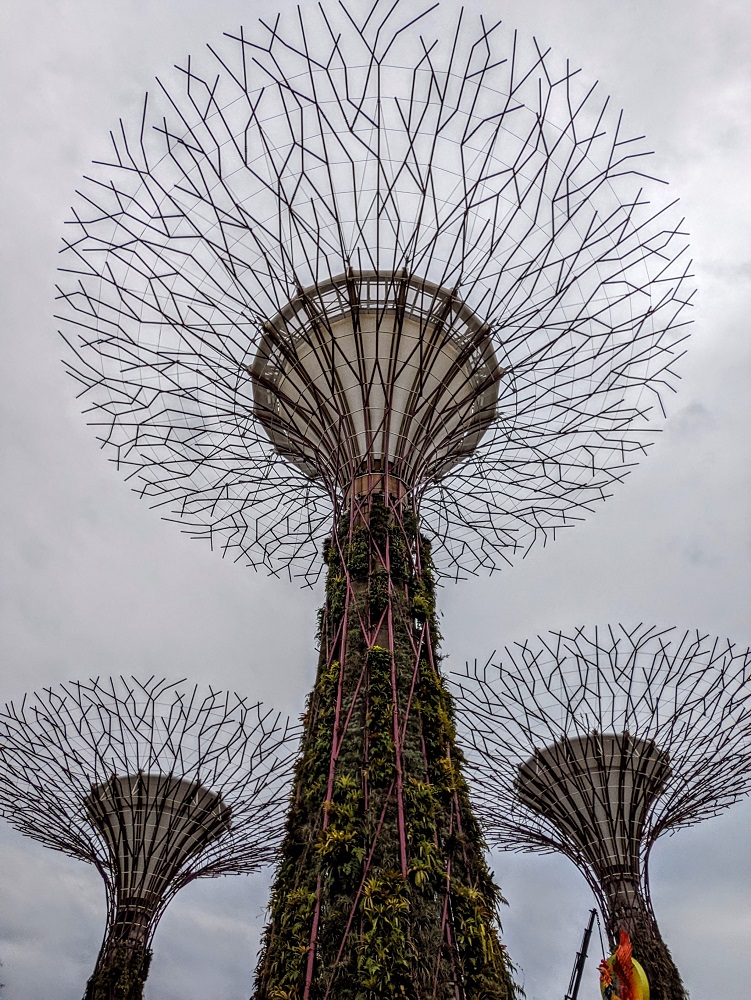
382,888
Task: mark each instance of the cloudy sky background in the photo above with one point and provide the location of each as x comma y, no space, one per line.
93,582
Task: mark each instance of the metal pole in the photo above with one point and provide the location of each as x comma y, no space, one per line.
581,958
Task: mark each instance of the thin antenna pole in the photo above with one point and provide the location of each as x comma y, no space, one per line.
581,958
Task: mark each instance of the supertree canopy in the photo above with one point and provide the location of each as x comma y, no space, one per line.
335,245
345,283
155,785
598,742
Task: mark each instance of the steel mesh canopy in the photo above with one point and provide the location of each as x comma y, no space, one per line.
151,782
322,150
595,743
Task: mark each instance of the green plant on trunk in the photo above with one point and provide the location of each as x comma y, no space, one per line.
121,976
382,888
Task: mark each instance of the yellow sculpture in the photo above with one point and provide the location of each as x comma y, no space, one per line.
621,976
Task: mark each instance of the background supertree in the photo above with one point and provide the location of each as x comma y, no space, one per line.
349,275
596,743
154,784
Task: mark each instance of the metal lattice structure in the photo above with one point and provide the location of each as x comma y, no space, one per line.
595,743
335,247
154,784
344,283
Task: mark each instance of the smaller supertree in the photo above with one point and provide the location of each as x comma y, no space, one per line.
594,744
152,783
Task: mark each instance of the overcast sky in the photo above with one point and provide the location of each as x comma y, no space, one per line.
94,583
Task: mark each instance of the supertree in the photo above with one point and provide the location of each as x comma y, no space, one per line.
154,784
596,743
345,284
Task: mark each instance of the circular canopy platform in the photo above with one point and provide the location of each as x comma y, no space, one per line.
375,373
597,790
597,741
153,825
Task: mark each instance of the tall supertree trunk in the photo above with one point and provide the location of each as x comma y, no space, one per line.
628,908
382,889
123,963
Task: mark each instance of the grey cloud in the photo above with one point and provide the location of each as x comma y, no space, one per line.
94,583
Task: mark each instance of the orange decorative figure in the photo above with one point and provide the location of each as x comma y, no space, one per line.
621,976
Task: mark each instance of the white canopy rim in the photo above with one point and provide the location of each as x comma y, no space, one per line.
375,372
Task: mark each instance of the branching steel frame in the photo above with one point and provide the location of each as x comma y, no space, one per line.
338,146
